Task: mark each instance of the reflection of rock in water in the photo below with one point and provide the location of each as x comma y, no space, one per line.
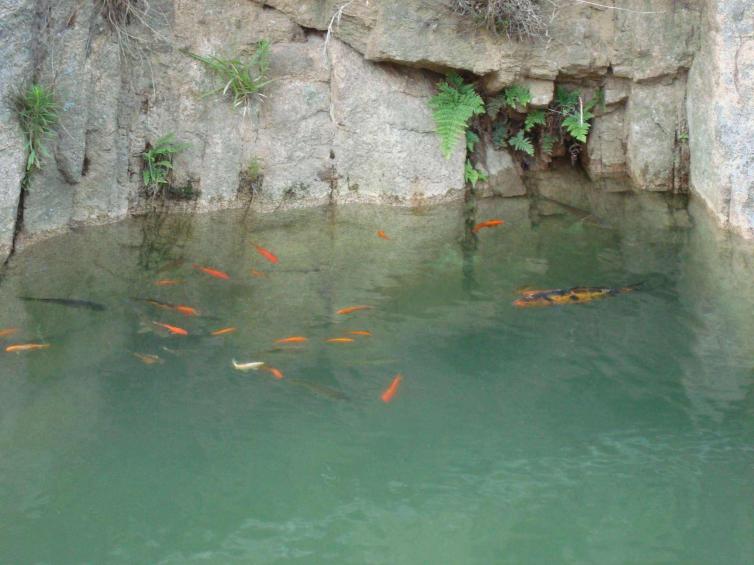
164,237
470,240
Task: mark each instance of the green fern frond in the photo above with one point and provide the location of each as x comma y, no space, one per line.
517,96
522,143
535,118
548,142
473,175
471,140
452,108
576,128
566,100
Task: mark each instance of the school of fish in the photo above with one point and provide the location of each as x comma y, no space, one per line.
528,298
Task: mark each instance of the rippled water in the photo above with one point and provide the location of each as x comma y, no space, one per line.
620,431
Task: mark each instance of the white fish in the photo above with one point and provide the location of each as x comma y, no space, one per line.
251,366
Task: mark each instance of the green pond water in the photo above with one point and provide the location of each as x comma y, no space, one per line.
620,431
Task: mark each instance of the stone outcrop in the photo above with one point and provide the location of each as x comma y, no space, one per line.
349,120
639,54
721,114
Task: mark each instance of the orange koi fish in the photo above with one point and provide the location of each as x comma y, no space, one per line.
487,224
175,330
382,235
390,391
212,272
528,291
575,295
8,332
266,253
168,282
339,340
258,274
223,331
187,310
26,347
351,309
361,332
292,339
147,358
277,373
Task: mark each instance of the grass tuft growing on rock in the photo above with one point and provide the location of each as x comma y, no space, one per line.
118,13
517,19
37,112
241,79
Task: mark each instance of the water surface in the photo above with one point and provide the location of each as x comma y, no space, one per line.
620,431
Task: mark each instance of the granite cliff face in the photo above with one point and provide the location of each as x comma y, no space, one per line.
350,122
721,114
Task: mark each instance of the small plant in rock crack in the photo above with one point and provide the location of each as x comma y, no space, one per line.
452,108
575,113
516,97
473,175
37,113
241,78
520,142
158,163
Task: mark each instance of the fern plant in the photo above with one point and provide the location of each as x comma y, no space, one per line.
547,143
471,140
522,143
473,175
452,109
517,96
577,125
241,79
37,112
158,162
535,118
577,114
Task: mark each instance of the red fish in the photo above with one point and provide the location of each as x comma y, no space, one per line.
339,340
351,309
361,332
258,274
390,391
292,339
381,234
168,282
213,272
8,332
277,373
186,310
223,331
175,330
266,253
27,347
487,224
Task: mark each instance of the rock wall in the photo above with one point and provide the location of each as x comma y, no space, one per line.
349,122
721,114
